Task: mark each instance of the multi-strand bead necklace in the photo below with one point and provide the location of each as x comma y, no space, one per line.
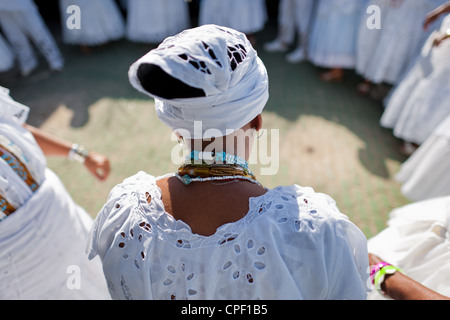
214,166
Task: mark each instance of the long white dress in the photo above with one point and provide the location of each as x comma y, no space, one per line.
23,26
100,21
151,21
6,55
43,242
292,244
426,174
421,101
417,239
369,36
388,53
246,16
332,42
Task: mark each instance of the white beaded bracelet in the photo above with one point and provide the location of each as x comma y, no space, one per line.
78,153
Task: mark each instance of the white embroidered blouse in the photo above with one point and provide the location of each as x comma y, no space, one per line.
292,244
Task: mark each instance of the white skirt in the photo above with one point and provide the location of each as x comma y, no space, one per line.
386,54
426,174
246,16
369,38
101,22
6,56
22,26
151,21
42,249
332,42
421,101
294,17
417,240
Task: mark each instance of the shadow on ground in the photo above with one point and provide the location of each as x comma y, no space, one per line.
86,78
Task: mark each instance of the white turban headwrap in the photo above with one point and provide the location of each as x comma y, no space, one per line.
221,62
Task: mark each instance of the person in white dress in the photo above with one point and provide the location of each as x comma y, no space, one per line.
332,43
100,22
421,100
43,232
211,230
6,55
23,27
247,16
415,247
151,21
426,173
385,54
294,17
369,35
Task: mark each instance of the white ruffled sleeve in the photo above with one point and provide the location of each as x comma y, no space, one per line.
348,265
10,109
349,272
114,213
337,250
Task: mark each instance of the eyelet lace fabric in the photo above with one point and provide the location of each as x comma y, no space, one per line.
292,244
236,54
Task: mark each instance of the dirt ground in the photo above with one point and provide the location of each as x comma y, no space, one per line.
329,135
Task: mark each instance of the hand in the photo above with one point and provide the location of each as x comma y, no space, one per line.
373,259
438,40
98,165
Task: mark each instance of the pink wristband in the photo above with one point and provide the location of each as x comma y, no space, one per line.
376,268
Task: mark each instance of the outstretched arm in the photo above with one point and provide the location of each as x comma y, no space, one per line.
51,145
400,287
435,14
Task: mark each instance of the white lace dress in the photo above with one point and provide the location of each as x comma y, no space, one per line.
417,240
386,54
421,101
101,22
151,21
292,244
332,42
247,16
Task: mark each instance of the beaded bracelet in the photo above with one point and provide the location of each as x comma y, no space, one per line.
78,153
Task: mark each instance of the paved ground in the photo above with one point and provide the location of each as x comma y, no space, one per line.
330,138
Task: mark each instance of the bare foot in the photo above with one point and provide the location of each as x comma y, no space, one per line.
333,75
364,87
